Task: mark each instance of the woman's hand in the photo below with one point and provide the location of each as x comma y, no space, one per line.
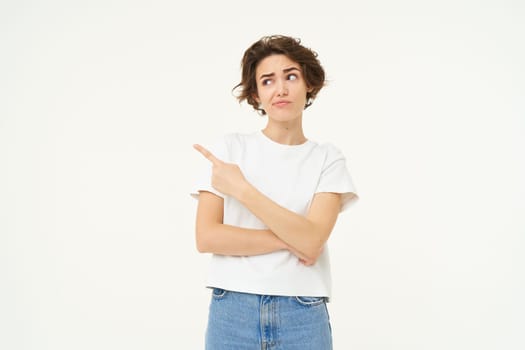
227,178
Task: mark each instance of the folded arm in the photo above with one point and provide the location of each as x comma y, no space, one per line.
304,235
212,236
307,234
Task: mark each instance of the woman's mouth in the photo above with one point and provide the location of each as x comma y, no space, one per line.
281,103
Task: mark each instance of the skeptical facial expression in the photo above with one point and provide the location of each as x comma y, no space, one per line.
281,88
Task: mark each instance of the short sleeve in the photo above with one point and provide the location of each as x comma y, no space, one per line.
202,180
336,178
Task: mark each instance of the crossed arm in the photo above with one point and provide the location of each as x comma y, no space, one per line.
303,236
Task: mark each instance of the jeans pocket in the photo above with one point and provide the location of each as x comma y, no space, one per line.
310,301
218,293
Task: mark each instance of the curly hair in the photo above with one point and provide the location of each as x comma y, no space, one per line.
312,70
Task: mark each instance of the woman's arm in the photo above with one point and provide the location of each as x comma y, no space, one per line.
305,234
212,236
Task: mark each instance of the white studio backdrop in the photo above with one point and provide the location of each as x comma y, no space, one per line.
101,102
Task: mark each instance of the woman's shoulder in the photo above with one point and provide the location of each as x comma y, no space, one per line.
233,142
328,148
236,138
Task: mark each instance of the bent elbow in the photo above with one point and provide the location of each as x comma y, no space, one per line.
201,248
312,258
314,253
201,242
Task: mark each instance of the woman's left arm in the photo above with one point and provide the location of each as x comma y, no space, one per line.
306,234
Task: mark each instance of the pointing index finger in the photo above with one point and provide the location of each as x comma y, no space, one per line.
207,154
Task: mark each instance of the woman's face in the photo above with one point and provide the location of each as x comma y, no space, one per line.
281,87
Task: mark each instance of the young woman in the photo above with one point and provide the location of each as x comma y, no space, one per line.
267,208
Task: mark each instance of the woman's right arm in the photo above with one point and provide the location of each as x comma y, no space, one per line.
212,236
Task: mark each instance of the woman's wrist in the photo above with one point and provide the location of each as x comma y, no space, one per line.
244,191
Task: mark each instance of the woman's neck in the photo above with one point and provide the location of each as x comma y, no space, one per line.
286,133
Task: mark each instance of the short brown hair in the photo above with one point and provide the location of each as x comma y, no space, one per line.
313,72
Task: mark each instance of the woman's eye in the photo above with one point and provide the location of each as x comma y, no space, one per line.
292,77
266,82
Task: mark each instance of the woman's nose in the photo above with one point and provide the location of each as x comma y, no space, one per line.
282,89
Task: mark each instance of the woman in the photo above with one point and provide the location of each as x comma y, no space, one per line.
267,209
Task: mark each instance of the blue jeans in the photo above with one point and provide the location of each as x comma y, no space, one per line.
241,321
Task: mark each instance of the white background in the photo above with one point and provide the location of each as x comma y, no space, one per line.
100,102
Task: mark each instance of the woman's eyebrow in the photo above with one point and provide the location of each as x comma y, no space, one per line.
267,75
286,70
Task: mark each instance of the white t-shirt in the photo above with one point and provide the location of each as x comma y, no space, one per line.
290,175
